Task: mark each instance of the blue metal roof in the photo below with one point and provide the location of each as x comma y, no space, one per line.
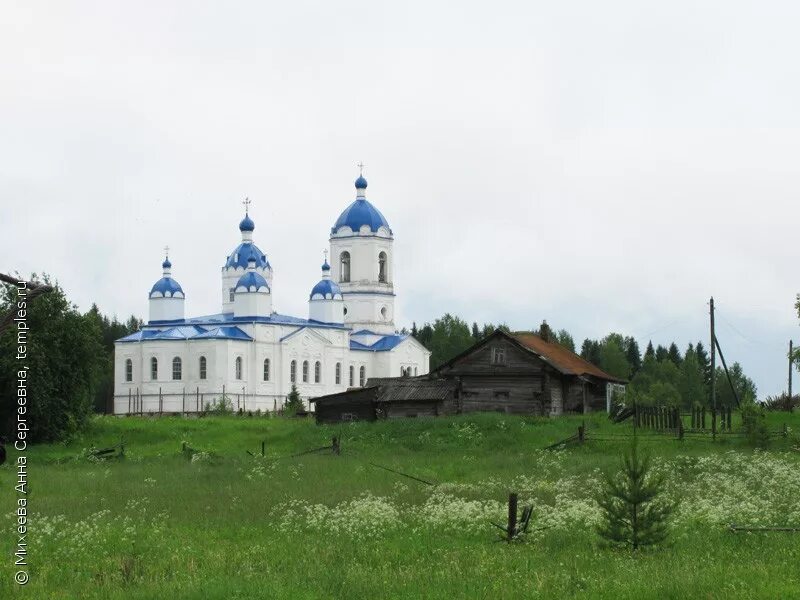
241,255
386,343
224,333
326,290
167,287
251,282
359,213
247,224
229,319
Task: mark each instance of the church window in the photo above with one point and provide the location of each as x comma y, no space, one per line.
345,310
238,367
266,369
317,371
352,375
305,371
177,368
345,267
384,312
415,371
233,290
498,355
129,370
203,367
293,371
154,368
338,373
362,376
382,267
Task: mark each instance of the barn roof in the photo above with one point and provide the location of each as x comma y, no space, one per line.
563,359
394,389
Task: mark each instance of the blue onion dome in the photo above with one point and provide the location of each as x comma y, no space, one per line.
244,253
326,290
167,287
166,264
360,213
326,266
247,223
251,282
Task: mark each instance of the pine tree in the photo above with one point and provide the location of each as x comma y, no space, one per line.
414,330
633,355
565,339
294,403
476,333
674,354
704,362
650,352
662,353
633,514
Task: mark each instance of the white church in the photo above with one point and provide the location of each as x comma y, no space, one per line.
252,355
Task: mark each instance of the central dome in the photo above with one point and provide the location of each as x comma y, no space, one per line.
361,213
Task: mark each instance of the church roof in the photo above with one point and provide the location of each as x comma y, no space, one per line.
241,255
184,332
384,344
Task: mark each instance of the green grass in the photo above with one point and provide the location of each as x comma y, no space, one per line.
229,525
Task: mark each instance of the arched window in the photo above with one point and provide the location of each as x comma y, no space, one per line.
129,370
203,367
293,371
362,376
317,372
177,368
382,267
415,371
344,261
352,375
238,367
154,368
305,371
266,369
338,373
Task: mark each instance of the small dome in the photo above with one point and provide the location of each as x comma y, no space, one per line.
251,282
166,264
326,266
361,183
167,287
326,290
247,224
243,253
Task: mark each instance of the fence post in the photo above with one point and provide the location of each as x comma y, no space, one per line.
704,418
262,447
581,433
680,428
160,402
335,446
512,515
183,402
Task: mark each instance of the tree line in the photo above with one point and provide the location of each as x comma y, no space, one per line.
70,360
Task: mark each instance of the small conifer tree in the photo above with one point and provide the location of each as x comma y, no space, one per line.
294,403
633,514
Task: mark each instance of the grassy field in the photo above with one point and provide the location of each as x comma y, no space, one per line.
230,525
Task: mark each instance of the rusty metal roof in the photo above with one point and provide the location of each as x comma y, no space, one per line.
407,389
561,358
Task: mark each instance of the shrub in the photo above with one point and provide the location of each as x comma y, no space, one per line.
782,402
294,403
755,424
221,406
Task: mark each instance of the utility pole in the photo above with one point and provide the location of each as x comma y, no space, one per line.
713,373
791,367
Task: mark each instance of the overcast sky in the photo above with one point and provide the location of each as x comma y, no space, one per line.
602,165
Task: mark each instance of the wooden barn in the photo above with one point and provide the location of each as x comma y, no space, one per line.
524,373
515,373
